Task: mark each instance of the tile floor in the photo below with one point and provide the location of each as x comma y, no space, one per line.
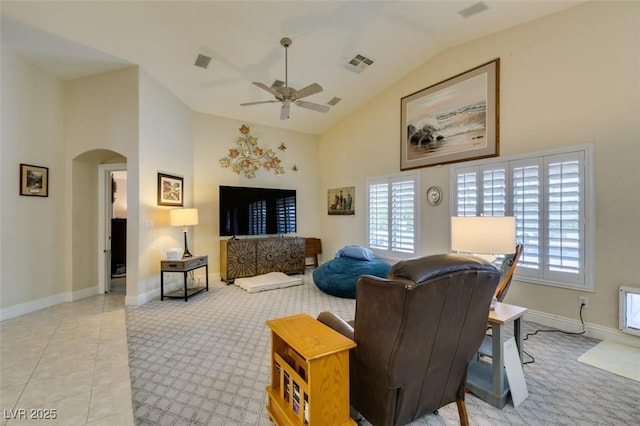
71,358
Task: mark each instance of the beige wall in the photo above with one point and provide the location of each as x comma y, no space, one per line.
569,78
101,121
214,136
33,229
166,145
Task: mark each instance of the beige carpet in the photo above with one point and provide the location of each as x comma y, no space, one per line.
616,358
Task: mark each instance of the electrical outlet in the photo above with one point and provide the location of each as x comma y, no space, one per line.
584,300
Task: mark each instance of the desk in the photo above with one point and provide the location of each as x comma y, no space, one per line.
488,381
184,265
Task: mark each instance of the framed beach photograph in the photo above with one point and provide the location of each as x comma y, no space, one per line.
452,121
170,190
341,201
34,180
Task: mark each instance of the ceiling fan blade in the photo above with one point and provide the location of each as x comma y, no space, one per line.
259,102
311,89
284,111
267,88
311,105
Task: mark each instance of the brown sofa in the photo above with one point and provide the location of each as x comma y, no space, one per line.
416,331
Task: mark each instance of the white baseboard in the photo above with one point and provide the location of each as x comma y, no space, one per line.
594,331
143,298
46,302
84,293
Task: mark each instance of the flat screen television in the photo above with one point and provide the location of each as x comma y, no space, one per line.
257,211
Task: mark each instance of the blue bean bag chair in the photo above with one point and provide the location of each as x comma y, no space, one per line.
338,277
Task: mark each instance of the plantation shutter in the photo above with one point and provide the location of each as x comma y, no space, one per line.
466,194
527,196
403,216
393,211
379,216
564,215
494,192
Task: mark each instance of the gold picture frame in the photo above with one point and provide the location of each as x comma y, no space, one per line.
34,180
341,201
170,190
452,121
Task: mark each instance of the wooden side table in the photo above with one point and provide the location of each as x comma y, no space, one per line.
312,248
488,381
309,373
184,266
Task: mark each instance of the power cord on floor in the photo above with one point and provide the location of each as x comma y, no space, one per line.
526,337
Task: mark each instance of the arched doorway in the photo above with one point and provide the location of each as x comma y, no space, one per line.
90,200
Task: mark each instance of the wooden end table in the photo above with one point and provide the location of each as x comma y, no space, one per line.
184,266
489,381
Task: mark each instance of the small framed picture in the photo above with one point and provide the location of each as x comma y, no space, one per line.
340,201
34,180
170,190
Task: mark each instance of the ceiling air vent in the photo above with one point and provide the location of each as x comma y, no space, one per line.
202,61
334,101
473,10
358,63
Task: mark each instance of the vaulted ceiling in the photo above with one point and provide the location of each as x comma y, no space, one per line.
74,39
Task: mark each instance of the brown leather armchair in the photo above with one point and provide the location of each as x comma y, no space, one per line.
416,331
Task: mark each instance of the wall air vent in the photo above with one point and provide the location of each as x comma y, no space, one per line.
358,63
334,101
202,61
277,84
473,10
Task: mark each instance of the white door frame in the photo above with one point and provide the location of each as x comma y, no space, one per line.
104,219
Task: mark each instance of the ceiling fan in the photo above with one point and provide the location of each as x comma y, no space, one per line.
288,95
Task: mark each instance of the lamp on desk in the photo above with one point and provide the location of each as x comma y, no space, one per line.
184,218
483,236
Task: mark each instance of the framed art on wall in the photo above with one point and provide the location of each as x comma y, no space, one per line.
341,201
34,180
170,190
451,121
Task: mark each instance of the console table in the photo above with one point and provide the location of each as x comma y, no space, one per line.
184,266
248,257
488,381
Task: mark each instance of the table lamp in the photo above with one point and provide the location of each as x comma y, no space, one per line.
483,236
184,218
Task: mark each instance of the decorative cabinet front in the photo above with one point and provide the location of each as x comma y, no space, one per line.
257,256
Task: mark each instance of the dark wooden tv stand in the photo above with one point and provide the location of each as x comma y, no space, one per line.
250,256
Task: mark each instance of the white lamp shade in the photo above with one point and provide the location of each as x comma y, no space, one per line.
483,234
183,217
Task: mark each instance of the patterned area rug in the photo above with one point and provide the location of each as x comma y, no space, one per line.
206,362
616,358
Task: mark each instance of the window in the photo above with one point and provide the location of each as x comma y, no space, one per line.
393,214
550,195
